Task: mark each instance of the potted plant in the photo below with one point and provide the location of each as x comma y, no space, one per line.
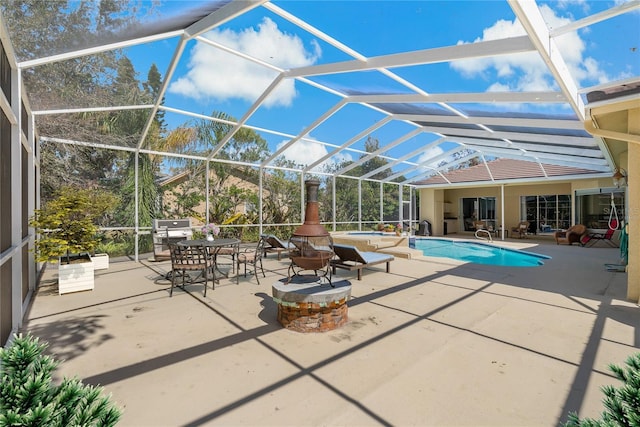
67,229
210,231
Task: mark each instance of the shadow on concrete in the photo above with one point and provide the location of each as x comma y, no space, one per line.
70,339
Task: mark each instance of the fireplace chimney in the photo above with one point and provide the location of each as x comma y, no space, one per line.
311,226
313,244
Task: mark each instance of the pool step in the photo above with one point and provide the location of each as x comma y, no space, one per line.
402,252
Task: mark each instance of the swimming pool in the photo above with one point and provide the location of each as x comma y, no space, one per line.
478,253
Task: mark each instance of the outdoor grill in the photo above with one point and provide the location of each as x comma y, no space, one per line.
311,241
167,231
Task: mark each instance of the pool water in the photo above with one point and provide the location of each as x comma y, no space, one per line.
478,253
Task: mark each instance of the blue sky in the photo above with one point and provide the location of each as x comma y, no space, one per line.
209,79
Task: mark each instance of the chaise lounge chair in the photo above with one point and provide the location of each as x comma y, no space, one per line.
573,234
350,258
274,244
593,238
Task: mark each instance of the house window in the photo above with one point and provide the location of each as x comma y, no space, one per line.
479,209
546,213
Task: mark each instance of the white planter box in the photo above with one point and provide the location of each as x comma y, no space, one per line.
100,261
75,277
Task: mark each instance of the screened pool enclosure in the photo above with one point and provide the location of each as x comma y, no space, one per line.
220,110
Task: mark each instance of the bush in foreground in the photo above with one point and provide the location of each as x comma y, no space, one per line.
622,405
29,398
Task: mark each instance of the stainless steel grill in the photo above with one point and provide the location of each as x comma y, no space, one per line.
166,231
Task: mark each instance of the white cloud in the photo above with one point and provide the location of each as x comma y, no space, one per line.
498,87
341,157
430,154
222,76
305,152
527,71
566,4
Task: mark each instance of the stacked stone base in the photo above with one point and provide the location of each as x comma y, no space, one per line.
309,306
310,317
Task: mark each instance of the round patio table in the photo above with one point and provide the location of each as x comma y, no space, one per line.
213,247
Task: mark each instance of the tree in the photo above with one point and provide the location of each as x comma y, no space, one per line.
282,206
129,89
67,224
372,145
45,28
147,192
472,161
152,86
185,198
347,201
28,396
200,138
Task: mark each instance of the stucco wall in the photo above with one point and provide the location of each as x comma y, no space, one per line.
431,202
169,199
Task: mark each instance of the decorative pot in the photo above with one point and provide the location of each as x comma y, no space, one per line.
76,276
210,237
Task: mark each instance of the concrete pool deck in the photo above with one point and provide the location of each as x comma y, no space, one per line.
434,342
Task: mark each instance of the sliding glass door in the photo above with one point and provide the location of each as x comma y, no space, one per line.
546,213
479,209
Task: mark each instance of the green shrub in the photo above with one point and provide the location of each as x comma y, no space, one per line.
622,405
29,398
67,224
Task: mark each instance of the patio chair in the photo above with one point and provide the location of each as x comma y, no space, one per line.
521,229
592,238
252,257
274,244
573,234
228,251
185,259
479,225
350,258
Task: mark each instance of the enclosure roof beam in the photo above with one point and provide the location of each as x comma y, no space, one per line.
531,19
177,53
420,57
403,158
379,151
347,144
548,97
98,49
306,131
263,96
226,13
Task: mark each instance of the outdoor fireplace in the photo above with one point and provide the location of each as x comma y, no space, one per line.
313,245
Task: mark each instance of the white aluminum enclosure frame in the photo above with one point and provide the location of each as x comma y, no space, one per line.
474,136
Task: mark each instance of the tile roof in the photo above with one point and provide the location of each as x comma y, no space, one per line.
504,169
